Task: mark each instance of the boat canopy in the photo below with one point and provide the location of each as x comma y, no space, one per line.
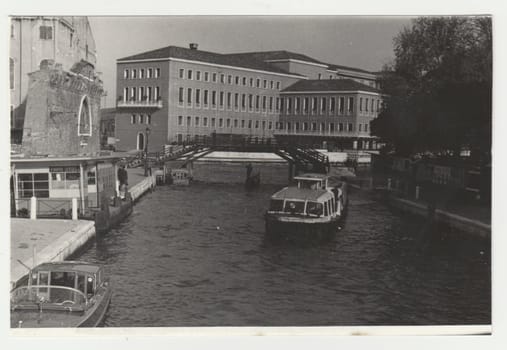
303,194
67,266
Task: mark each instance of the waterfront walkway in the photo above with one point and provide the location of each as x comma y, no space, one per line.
49,239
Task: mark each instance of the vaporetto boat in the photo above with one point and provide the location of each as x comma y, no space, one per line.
313,207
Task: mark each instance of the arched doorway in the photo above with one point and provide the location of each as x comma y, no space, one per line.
140,141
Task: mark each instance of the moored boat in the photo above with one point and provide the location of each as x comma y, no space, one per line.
61,294
312,208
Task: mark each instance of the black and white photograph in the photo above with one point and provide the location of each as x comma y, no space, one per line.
261,173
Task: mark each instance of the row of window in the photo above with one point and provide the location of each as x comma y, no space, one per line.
321,127
140,119
324,105
224,123
144,73
58,178
229,79
229,99
141,93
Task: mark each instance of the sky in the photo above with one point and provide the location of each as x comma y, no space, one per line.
361,42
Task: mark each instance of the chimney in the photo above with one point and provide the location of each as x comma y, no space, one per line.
193,46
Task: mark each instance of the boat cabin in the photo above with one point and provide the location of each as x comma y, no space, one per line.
303,202
312,181
61,284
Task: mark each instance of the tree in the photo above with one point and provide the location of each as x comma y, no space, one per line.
439,87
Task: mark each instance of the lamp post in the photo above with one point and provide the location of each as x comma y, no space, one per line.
146,152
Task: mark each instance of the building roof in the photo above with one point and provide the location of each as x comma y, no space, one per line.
339,67
243,61
277,55
329,85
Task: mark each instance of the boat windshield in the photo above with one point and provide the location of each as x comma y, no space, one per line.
294,207
314,208
276,205
45,296
310,184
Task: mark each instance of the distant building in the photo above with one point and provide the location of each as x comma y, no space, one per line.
335,113
178,95
65,40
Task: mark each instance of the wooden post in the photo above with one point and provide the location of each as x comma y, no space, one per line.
33,208
81,182
417,189
74,208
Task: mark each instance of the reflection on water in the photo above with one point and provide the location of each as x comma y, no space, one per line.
197,256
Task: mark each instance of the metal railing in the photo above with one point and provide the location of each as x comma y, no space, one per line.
145,103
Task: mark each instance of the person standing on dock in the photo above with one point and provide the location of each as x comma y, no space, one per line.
123,179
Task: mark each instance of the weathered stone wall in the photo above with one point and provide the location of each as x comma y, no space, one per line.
52,111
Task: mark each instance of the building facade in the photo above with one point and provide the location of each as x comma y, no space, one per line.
33,39
333,114
178,95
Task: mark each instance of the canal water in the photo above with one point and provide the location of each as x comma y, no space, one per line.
197,256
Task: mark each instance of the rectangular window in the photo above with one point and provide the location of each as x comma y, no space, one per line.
205,121
133,119
257,124
263,103
366,105
366,127
46,32
206,76
212,122
235,123
351,127
134,73
126,74
289,104
198,75
340,126
149,93
197,96
157,93
236,100
242,124
332,103
157,72
34,185
271,85
360,127
206,97
314,126
297,102
258,83
214,77
236,80
251,82
351,104
257,102
220,122
189,121
277,104
229,100
180,120
221,99
360,104
306,104
228,123
196,121
305,126
278,85
249,124
180,95
222,78
341,104
243,101
271,103
141,74
149,73
371,107
189,96
229,79
270,125
265,84
189,74
378,106
250,101
263,125
182,73
314,104
331,127
213,98
141,118
323,104
148,119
